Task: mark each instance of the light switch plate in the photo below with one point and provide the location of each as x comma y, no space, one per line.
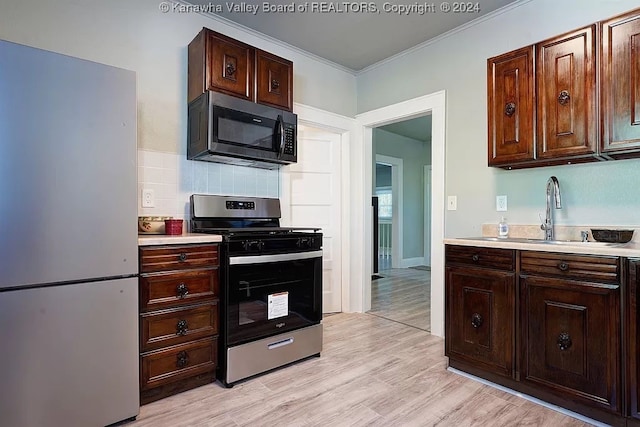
501,203
452,203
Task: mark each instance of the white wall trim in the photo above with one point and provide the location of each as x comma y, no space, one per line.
411,262
426,188
397,202
349,131
362,188
443,36
273,40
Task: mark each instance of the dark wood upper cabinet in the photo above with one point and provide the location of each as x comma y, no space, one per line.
570,99
274,84
566,95
222,64
620,83
511,100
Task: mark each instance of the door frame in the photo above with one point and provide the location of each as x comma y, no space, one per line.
361,191
347,129
397,203
427,214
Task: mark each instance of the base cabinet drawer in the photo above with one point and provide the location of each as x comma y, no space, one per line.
176,257
165,290
178,362
177,326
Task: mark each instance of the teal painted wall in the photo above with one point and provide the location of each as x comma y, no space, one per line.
593,194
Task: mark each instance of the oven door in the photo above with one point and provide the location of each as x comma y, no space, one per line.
271,294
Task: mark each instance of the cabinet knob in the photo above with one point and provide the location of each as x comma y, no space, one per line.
563,266
182,290
182,257
182,359
231,69
275,84
182,327
476,320
475,258
564,341
510,109
564,97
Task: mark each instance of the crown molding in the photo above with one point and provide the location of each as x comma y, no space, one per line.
270,39
479,20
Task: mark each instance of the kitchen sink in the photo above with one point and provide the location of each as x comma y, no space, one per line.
544,242
507,239
578,242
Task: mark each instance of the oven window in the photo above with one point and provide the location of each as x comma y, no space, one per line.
267,299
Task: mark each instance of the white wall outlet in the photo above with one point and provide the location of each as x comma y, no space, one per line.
452,203
501,203
148,200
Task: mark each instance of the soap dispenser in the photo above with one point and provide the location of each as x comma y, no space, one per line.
503,228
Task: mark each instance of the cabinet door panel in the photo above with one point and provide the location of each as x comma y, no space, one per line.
620,82
480,317
274,82
230,66
566,86
571,339
511,99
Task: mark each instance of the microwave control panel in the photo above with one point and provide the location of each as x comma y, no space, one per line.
289,137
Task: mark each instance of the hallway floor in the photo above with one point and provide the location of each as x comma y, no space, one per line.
403,295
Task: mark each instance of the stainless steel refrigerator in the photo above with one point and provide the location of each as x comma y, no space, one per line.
68,241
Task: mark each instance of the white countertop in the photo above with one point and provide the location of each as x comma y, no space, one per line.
185,238
630,250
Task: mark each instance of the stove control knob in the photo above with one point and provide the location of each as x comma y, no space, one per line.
304,243
253,245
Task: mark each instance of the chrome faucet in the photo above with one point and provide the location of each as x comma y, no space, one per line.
552,186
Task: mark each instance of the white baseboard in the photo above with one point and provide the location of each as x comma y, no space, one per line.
411,262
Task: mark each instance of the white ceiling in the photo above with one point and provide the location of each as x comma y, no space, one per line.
354,40
418,128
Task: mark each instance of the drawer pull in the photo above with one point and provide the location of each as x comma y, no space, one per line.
182,328
475,258
564,341
182,359
476,320
563,266
182,290
183,257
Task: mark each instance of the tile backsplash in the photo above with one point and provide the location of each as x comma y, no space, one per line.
173,179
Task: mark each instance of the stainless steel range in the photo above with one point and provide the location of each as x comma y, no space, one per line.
271,279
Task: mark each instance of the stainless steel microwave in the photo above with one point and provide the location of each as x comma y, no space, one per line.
226,129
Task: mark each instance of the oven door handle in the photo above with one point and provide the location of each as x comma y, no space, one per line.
262,259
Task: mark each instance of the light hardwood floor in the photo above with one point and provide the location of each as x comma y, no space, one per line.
403,295
372,372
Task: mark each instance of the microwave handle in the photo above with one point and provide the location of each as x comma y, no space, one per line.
280,135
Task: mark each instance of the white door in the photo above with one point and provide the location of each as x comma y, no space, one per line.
311,198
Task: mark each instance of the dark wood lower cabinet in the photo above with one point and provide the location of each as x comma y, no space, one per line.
480,317
561,327
179,318
632,323
571,339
